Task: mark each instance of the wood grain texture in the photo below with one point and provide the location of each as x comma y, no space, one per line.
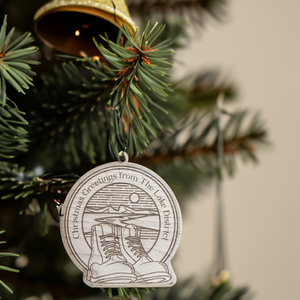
121,227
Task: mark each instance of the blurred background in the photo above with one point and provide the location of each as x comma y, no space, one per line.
259,46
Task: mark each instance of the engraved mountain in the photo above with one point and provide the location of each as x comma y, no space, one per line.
119,210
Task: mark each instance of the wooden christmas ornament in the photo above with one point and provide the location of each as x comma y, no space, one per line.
121,226
70,25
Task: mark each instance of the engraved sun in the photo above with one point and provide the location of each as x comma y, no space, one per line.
134,198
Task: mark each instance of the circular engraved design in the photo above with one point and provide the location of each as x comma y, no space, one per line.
121,227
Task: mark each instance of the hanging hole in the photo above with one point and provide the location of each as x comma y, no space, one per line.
123,157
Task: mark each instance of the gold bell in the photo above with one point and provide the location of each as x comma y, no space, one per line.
69,25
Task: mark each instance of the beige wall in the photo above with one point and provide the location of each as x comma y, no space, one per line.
260,46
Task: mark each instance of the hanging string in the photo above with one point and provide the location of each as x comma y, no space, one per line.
115,13
128,137
120,144
124,145
113,3
220,275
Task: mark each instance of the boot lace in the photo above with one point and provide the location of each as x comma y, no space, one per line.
110,244
137,247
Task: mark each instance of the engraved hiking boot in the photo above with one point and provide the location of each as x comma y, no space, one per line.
107,264
147,270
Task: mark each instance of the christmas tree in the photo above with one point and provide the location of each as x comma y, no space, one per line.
64,114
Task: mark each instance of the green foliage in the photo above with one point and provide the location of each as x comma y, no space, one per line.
14,66
15,180
117,102
14,69
72,123
137,68
4,268
13,136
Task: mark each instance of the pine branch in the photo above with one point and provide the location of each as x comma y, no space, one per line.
198,91
65,113
13,137
193,138
230,148
139,72
132,75
4,268
14,66
202,90
243,143
39,195
14,69
22,184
